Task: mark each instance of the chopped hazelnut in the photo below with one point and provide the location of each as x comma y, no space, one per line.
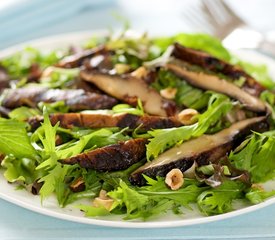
103,200
121,68
47,72
174,179
168,93
140,72
186,116
103,194
257,186
106,203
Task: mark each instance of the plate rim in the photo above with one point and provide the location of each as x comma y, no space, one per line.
81,36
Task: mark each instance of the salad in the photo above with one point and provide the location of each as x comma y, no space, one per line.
138,126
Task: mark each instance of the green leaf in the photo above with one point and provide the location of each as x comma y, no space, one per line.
48,141
22,169
155,199
91,211
126,108
257,157
23,113
162,139
197,41
59,77
218,106
258,71
256,195
131,199
19,64
186,95
14,139
158,190
219,200
166,138
50,181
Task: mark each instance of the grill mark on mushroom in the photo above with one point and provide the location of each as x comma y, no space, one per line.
111,158
75,99
211,63
214,83
122,120
127,87
202,150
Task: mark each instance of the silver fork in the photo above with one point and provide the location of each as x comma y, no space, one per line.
217,18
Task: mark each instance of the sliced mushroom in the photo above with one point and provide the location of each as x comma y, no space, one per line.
75,99
202,150
111,158
77,59
213,82
4,78
206,61
128,88
100,120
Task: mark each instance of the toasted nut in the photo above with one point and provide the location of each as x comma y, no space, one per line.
103,195
174,179
47,72
140,72
106,203
168,93
121,68
186,116
257,186
103,200
78,185
190,172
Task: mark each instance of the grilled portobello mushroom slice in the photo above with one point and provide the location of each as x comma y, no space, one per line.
75,99
98,120
202,150
128,89
114,157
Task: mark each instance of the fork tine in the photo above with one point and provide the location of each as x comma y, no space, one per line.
228,10
216,11
196,18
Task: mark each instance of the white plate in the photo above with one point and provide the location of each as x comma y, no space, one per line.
50,206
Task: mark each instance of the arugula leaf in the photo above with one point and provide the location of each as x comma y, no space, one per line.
59,77
166,138
126,108
258,71
256,195
158,190
257,157
131,199
14,139
19,169
197,41
151,200
52,179
93,185
23,113
91,211
218,106
219,200
186,95
269,98
55,107
19,64
48,141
